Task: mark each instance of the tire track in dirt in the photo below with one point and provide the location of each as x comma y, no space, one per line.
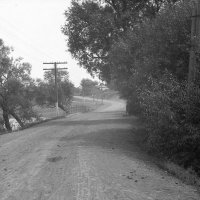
88,156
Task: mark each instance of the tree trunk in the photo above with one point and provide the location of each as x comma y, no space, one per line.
62,107
17,118
6,119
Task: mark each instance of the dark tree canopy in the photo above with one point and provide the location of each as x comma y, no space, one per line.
89,30
92,27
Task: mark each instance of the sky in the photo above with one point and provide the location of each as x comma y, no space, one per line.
33,29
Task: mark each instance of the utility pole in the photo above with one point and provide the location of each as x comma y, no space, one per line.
56,81
195,36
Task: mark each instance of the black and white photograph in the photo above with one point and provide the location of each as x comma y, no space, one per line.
99,99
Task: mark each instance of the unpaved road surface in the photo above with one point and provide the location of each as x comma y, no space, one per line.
89,156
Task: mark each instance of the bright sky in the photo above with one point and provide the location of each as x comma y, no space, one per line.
33,29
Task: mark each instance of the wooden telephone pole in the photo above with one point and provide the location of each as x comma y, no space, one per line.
56,82
195,36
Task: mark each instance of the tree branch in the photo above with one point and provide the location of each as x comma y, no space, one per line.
112,4
97,57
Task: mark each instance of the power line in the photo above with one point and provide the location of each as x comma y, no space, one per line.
15,31
12,35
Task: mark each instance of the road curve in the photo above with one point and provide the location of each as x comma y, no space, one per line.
89,156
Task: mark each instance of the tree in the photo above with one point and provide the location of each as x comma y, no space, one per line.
15,83
90,32
45,94
88,86
92,27
77,91
155,45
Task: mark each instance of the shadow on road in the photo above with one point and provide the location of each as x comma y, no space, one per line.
89,122
110,131
119,140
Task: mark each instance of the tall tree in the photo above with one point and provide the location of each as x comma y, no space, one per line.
15,81
93,26
89,27
88,86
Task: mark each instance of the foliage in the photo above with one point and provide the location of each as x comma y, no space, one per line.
92,27
142,48
15,84
77,91
46,93
172,114
150,48
151,66
89,31
88,87
156,45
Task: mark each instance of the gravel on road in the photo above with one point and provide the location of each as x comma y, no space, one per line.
91,156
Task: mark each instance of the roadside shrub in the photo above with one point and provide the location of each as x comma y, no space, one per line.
172,113
151,47
133,106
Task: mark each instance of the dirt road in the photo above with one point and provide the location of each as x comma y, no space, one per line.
88,156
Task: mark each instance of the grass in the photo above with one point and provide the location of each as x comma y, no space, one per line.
48,112
39,122
187,176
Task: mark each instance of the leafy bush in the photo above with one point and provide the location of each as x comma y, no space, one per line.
132,106
151,47
172,114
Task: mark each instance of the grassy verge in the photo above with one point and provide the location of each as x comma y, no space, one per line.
187,176
46,113
40,122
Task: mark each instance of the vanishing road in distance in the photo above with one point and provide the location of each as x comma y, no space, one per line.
91,156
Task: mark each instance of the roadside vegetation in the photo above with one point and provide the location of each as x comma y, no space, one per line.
20,95
142,49
45,90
